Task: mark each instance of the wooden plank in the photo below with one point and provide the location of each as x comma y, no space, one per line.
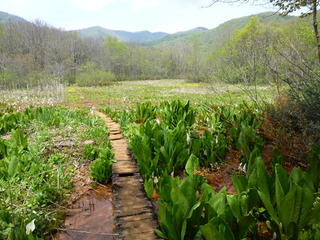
133,210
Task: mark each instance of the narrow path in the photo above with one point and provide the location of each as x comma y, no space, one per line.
133,212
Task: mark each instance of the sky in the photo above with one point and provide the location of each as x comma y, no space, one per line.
129,15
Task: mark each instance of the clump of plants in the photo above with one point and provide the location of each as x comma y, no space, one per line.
36,170
101,167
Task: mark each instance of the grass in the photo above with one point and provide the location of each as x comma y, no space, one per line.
126,94
47,95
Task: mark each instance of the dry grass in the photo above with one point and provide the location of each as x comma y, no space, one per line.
52,94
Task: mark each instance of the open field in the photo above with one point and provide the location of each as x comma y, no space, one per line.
127,93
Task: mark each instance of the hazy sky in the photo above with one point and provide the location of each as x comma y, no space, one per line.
130,15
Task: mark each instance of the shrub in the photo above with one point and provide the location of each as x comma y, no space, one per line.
101,168
294,124
90,75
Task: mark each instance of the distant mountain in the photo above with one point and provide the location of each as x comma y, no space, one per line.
210,39
6,17
218,36
142,36
195,30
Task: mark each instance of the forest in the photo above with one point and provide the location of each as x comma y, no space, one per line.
36,53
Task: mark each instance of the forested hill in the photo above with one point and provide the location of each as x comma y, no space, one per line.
6,17
216,37
213,38
123,36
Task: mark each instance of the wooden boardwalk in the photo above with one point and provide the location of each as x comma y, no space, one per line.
132,209
133,213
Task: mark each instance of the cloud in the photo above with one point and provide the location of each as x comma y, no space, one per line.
92,5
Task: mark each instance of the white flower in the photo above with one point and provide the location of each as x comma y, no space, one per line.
158,121
155,180
242,167
30,227
216,139
188,138
205,152
274,236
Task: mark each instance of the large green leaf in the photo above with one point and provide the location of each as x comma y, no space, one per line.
192,165
264,193
217,228
314,165
269,207
306,206
315,212
289,210
239,184
181,208
187,189
207,192
219,202
161,234
234,205
192,222
282,185
148,186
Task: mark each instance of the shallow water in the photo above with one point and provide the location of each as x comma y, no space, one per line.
90,217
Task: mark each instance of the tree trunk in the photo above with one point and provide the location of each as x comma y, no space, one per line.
315,26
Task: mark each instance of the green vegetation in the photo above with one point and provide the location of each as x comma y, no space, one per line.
38,150
101,167
169,144
252,91
89,75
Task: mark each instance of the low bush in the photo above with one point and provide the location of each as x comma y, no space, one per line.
293,124
89,75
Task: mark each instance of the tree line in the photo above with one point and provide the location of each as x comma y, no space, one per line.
36,53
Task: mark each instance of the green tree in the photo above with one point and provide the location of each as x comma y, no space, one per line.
90,75
117,53
242,59
288,6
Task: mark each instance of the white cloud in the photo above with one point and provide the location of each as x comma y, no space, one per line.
92,5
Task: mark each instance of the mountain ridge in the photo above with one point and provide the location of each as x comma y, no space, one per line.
125,36
7,17
218,36
212,37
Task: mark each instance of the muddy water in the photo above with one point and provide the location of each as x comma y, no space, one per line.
90,217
